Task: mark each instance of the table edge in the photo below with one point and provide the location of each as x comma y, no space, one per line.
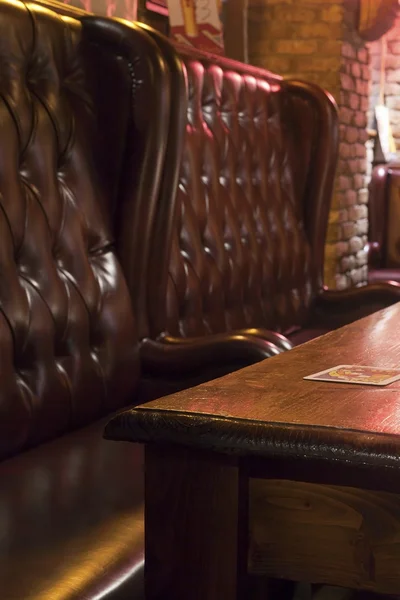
248,437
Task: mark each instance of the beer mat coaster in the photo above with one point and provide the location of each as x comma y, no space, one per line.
357,374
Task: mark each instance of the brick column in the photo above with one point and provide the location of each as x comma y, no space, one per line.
316,40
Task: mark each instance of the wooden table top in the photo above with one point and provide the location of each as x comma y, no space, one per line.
274,390
271,403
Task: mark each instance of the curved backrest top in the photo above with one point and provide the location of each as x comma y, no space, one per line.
68,339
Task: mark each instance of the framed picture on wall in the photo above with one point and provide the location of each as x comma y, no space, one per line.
159,6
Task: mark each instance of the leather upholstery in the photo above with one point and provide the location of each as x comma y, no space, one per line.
236,261
67,333
76,106
251,208
202,357
377,216
249,219
71,520
308,430
383,212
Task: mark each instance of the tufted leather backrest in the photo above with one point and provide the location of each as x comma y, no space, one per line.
383,203
253,200
68,344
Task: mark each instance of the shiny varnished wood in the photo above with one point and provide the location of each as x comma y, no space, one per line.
274,391
191,515
328,534
196,516
314,492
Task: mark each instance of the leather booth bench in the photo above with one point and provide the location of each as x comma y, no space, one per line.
240,225
92,135
76,96
86,119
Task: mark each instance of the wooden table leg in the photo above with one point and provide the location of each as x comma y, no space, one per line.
195,507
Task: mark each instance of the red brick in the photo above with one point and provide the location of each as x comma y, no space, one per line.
296,47
358,181
362,55
394,47
353,166
362,87
392,61
363,196
318,63
354,101
269,2
360,119
347,82
362,165
331,46
353,151
364,103
351,197
263,46
375,62
396,130
276,64
332,14
392,76
316,30
274,30
345,115
392,89
375,49
366,72
351,135
344,183
356,69
348,51
296,14
348,230
363,138
361,150
344,150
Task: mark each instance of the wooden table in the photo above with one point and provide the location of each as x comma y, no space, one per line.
263,474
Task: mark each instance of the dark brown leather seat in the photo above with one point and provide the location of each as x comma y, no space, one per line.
76,97
384,224
72,521
243,224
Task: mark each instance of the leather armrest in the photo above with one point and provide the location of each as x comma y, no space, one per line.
171,355
337,308
385,292
374,255
278,339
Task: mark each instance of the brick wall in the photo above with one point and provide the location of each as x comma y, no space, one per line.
316,40
392,77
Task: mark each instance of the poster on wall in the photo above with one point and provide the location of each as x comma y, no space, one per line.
197,24
158,6
125,9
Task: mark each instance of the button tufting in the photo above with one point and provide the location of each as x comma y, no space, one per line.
50,189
